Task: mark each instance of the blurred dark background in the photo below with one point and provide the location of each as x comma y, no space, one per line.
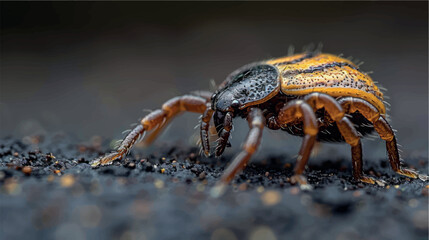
89,68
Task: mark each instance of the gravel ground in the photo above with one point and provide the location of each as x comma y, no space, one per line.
49,191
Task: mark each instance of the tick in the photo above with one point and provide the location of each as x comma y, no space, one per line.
320,97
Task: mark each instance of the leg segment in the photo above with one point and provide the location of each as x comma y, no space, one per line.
155,119
382,127
256,124
205,128
386,133
155,133
290,113
351,136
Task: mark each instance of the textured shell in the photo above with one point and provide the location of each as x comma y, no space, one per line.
249,85
305,73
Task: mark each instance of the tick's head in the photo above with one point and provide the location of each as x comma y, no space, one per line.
250,85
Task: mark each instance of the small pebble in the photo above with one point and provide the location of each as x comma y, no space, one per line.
131,165
158,183
357,193
27,170
67,181
271,197
202,175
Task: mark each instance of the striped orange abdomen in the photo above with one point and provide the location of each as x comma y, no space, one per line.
305,73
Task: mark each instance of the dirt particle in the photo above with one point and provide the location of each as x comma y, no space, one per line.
357,193
131,165
67,181
158,183
271,198
50,178
27,170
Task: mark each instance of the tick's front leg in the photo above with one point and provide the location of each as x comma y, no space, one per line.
154,120
256,123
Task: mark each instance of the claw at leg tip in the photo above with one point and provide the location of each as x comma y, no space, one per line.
218,190
380,183
305,187
423,177
96,162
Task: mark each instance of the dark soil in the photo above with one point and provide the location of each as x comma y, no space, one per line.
49,191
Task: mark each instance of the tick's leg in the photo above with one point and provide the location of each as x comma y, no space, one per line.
205,128
158,117
155,133
256,124
386,133
349,133
289,113
383,128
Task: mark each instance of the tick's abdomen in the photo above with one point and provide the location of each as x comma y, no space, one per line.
305,73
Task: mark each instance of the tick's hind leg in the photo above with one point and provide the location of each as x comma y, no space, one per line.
290,113
349,133
383,128
154,120
386,133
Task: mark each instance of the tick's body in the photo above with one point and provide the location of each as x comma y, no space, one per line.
318,96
